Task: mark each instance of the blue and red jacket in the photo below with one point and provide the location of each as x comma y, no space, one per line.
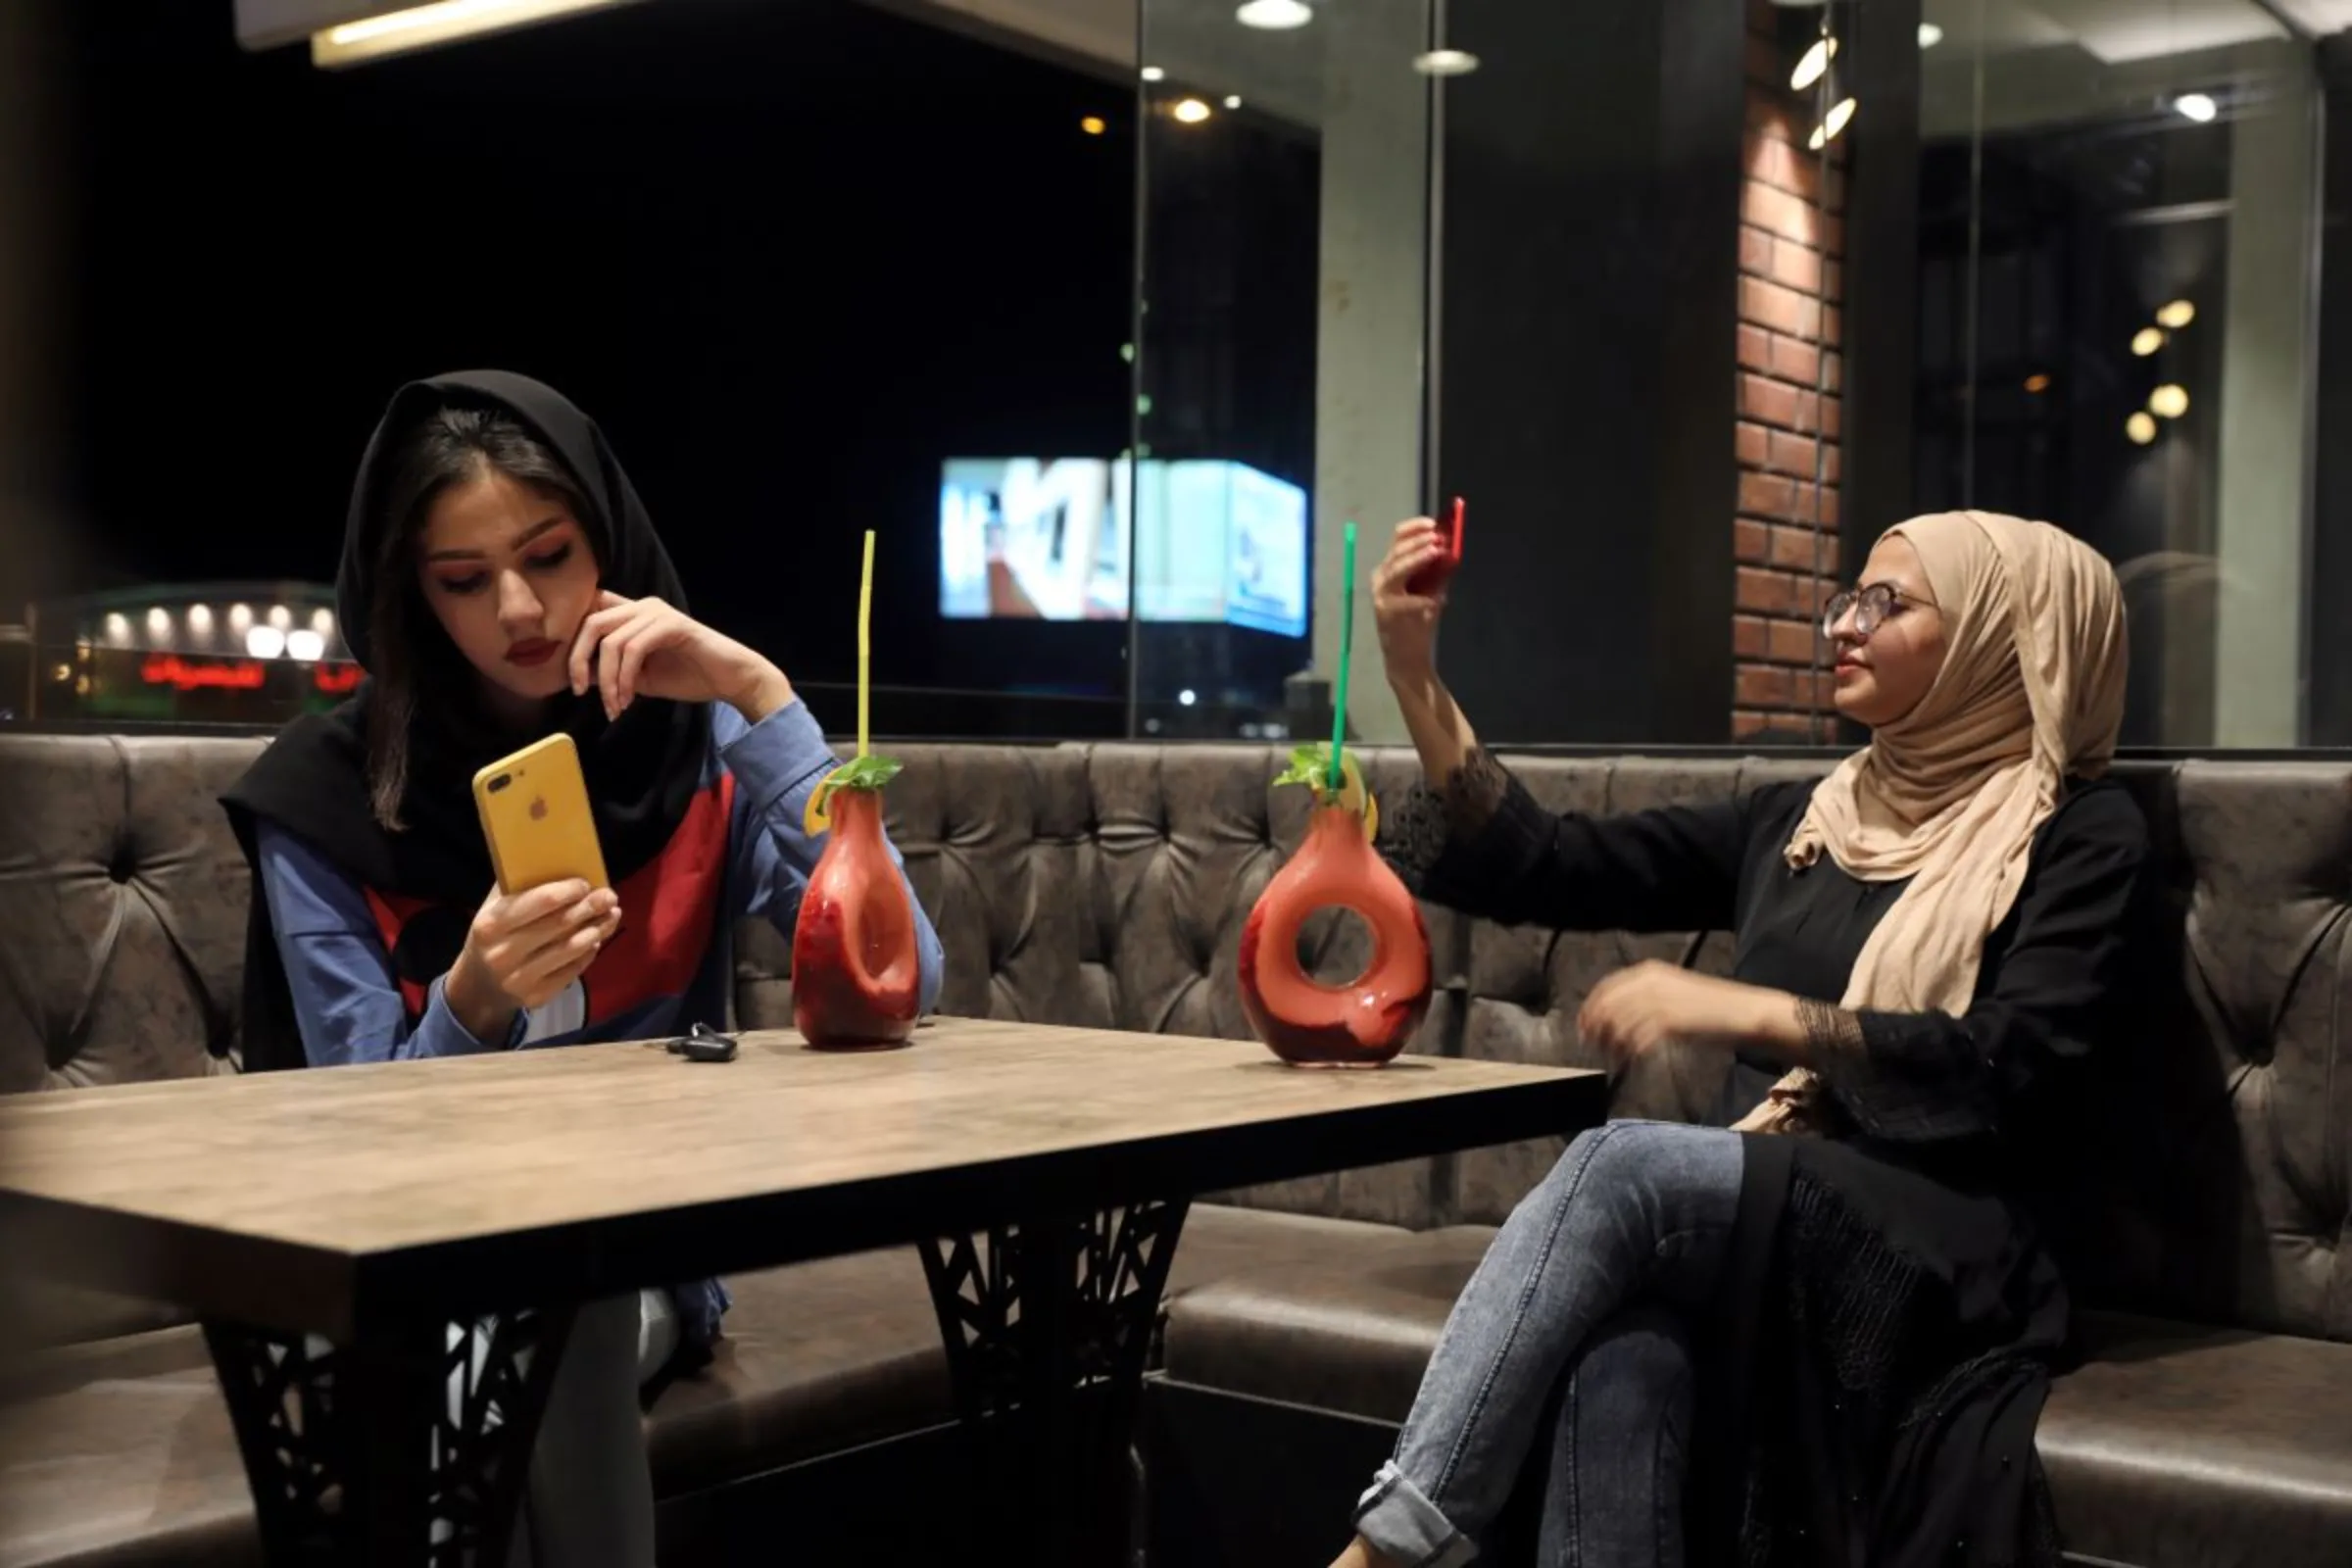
739,851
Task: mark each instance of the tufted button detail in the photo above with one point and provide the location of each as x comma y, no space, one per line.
122,868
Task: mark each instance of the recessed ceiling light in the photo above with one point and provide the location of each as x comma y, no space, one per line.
1154,73
1813,63
2169,401
2176,314
1835,122
2140,427
2147,340
1232,100
1189,110
1094,125
1930,35
1275,15
1446,63
2196,106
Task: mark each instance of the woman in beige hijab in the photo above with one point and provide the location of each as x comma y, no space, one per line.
1847,1327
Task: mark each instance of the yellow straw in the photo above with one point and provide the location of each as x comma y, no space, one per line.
865,638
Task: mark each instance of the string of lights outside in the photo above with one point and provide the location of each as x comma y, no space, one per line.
219,652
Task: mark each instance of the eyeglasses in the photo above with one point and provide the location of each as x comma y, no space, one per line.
1869,606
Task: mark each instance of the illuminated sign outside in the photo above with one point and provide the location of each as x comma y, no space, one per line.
241,652
183,675
190,675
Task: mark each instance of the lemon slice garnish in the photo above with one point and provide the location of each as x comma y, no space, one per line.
1355,797
818,815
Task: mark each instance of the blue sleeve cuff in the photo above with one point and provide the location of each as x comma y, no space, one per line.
439,1033
779,761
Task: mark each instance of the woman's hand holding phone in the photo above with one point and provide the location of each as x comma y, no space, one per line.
524,947
1407,618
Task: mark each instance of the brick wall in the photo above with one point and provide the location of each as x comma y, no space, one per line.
1785,537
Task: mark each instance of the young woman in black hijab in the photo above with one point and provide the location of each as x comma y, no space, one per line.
499,583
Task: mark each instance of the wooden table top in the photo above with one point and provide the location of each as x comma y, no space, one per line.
318,1200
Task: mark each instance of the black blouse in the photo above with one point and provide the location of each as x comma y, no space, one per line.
2045,988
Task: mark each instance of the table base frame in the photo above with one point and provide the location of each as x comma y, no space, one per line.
406,1447
1049,1324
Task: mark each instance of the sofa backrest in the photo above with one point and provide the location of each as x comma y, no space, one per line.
1107,885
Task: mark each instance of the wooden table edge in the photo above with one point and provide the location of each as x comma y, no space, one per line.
285,1284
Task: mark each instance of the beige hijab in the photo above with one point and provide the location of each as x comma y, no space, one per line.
1952,795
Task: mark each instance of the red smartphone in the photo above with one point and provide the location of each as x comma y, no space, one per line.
1434,576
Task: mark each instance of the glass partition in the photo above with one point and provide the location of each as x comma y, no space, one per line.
1284,235
2118,253
1109,314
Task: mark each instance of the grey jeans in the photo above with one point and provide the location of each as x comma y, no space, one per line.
1591,1276
589,1502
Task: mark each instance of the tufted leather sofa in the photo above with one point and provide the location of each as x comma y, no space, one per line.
1105,884
2211,1423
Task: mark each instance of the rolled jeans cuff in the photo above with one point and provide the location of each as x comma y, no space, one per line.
1405,1527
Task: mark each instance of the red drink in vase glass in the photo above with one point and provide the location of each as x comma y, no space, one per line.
855,965
1365,1023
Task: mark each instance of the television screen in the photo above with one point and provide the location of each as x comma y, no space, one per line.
1031,538
1047,539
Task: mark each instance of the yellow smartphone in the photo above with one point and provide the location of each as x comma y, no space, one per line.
535,815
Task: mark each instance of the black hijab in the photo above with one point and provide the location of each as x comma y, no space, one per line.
643,768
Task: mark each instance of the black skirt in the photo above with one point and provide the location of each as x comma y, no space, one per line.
1873,1373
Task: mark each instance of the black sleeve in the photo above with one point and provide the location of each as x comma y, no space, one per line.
1484,847
2054,985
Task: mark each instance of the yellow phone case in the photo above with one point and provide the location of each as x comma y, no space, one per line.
536,817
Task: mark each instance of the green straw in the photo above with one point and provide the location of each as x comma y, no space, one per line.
1339,696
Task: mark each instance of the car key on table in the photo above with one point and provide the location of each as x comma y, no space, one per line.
702,1043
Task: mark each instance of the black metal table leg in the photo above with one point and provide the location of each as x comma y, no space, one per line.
1049,1324
407,1447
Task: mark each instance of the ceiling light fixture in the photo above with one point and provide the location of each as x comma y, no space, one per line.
1275,15
1232,100
1094,125
2169,401
2196,106
2140,427
1154,73
1446,63
1813,63
423,26
1826,132
1189,110
2147,340
1930,35
2177,315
